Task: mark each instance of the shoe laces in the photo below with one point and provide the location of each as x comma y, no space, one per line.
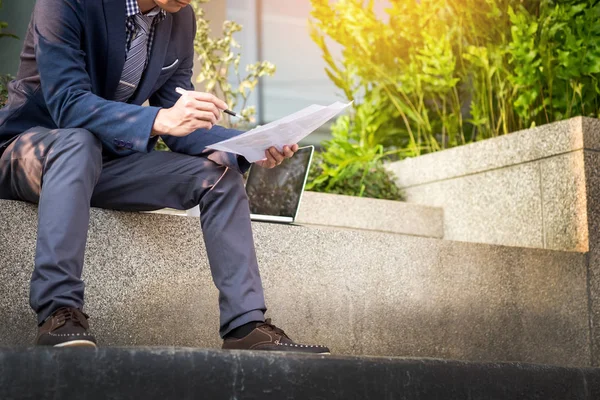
67,314
267,324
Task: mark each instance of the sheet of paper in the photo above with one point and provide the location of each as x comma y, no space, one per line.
287,130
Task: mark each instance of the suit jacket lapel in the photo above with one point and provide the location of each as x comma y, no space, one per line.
114,16
162,35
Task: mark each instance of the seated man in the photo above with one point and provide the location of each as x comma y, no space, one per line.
74,134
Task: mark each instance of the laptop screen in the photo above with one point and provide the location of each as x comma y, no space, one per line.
276,192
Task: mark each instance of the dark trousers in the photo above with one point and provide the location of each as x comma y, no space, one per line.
64,172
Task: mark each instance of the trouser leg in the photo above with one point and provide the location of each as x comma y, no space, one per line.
57,169
162,179
225,216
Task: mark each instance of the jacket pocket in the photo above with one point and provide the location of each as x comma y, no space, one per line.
168,67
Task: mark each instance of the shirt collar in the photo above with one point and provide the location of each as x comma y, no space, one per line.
133,8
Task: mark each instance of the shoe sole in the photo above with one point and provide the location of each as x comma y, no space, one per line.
77,343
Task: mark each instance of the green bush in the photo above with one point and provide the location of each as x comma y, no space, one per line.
4,79
353,162
368,179
443,73
218,58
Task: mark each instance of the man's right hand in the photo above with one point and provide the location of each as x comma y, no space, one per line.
194,110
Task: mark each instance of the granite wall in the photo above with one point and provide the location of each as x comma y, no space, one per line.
526,189
535,188
148,283
349,212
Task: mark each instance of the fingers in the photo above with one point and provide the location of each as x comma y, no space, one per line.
274,158
288,152
275,155
208,98
199,124
192,105
193,114
269,161
203,125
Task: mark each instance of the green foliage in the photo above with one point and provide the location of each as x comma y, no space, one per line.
219,58
555,54
353,162
443,73
353,182
4,79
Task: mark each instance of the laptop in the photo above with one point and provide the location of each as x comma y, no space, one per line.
275,194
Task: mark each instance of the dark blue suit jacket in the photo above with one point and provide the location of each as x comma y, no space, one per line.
71,64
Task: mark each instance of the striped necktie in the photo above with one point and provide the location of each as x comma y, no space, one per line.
136,60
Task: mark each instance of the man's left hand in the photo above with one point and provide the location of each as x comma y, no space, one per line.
275,158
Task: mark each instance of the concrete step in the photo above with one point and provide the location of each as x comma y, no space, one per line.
349,212
333,210
169,373
360,292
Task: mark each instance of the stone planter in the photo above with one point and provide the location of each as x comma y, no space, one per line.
535,188
348,212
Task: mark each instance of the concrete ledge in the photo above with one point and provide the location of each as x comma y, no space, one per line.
166,373
536,188
525,189
362,293
370,214
517,148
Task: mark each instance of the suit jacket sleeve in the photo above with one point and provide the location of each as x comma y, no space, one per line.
66,85
195,143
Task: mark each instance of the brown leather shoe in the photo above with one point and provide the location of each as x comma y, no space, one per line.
267,336
67,327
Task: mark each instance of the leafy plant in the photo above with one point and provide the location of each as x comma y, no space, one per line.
442,73
4,80
219,59
555,54
379,185
353,162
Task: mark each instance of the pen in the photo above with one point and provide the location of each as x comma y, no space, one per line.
183,92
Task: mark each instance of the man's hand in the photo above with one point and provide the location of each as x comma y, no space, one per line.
274,157
194,110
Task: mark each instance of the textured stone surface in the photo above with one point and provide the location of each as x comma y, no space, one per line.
166,373
490,193
370,214
563,190
498,207
592,172
360,292
332,210
516,148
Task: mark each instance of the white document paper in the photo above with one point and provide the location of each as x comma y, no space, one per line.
285,131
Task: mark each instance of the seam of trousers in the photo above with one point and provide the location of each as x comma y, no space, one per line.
219,180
